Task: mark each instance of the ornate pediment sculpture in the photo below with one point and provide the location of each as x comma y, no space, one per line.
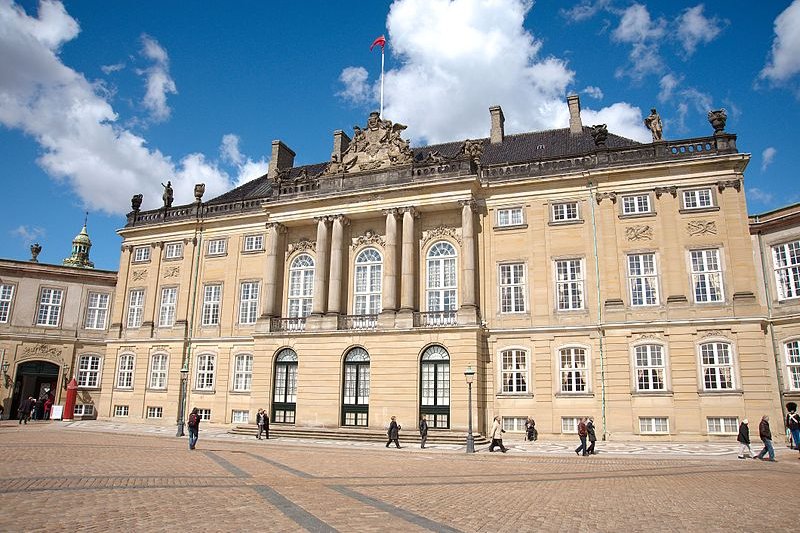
377,146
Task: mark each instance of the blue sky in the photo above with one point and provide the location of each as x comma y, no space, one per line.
99,101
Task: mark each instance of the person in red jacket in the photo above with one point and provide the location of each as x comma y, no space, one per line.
582,433
765,435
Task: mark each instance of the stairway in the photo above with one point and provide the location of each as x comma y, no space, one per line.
358,434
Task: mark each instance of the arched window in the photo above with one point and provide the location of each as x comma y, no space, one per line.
243,373
435,386
284,399
650,367
573,369
355,388
301,286
514,376
442,280
158,371
125,371
206,365
716,362
367,283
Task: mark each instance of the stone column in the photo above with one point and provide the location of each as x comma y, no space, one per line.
408,275
337,256
390,263
468,253
321,268
271,309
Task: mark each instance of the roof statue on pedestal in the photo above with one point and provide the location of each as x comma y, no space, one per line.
653,123
81,245
377,146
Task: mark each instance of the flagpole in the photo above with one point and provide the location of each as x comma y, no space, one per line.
381,115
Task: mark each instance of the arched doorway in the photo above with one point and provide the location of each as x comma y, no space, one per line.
355,388
34,378
284,399
434,378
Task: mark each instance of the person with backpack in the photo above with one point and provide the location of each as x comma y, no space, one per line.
194,427
793,423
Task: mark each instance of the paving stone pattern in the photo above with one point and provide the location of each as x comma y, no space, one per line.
68,477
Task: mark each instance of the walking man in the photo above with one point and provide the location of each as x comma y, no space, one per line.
194,427
744,440
260,423
592,437
765,435
423,431
497,435
24,411
393,433
582,433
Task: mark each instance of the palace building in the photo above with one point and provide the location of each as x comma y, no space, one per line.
576,272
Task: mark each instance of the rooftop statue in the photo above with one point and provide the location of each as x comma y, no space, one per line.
653,123
377,146
600,134
167,196
717,118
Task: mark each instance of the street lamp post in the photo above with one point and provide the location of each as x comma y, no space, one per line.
182,400
469,375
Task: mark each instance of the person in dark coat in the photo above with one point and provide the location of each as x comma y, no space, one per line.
260,423
765,435
530,429
793,423
393,433
423,431
194,427
744,440
24,411
582,433
592,437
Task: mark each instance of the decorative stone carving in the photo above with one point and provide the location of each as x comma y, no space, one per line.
172,272
41,349
653,123
639,233
673,190
136,202
735,184
701,227
433,157
377,146
277,226
717,120
369,238
138,275
712,333
199,190
302,244
36,249
600,134
473,150
168,195
648,337
439,232
606,195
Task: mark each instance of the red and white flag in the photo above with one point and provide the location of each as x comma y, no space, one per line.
380,41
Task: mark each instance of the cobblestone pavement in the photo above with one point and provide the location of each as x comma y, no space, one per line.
67,477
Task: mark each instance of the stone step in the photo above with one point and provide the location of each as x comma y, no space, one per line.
357,434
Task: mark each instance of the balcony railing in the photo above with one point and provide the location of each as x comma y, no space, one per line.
435,319
288,324
358,322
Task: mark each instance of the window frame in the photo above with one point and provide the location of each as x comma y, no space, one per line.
248,307
7,302
792,271
245,419
204,413
734,428
792,368
663,367
135,309
368,300
155,374
696,275
152,410
212,308
695,193
86,372
242,375
702,366
171,246
145,252
125,375
521,287
510,212
642,279
167,306
637,211
653,430
217,247
585,371
516,374
436,285
565,215
121,411
52,308
249,240
99,310
300,285
209,375
580,281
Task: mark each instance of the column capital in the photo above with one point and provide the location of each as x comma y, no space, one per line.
469,202
410,210
324,219
393,211
276,226
341,218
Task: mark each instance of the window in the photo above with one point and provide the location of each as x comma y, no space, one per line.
717,365
649,367
301,286
643,279
565,212
442,277
355,390
726,425
141,254
217,246
284,398
121,410
155,412
166,313
205,414
786,259
253,243
211,299
125,372
248,303
6,295
697,199
205,372
793,363
636,204
97,311
158,371
569,424
243,373
509,217
239,416
654,425
368,282
573,369
706,275
89,371
49,307
514,375
512,288
514,423
83,409
173,250
435,386
569,284
135,308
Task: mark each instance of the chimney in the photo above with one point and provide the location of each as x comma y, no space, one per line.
574,104
340,144
498,121
282,159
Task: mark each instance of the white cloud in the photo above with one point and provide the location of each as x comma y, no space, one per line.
158,81
694,27
593,92
247,169
668,83
759,196
26,234
108,69
356,88
229,149
75,126
785,57
585,10
621,118
644,35
767,157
